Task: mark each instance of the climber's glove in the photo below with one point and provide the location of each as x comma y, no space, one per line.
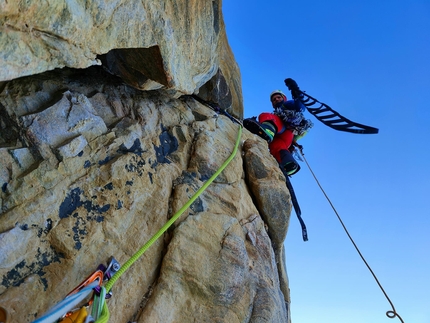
291,84
294,88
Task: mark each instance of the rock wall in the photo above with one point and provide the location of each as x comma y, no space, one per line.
93,163
177,45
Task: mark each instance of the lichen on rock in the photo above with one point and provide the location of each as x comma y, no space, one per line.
96,159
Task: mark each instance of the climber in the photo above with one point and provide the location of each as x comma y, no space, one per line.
282,128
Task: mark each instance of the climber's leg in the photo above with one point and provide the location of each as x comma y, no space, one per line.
288,162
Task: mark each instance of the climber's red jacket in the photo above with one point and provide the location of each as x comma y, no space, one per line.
283,137
290,125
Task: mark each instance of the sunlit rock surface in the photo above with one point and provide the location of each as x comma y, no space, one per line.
178,45
94,160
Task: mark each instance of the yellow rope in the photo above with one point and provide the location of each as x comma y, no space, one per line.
105,312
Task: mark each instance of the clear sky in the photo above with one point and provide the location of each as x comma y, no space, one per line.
370,61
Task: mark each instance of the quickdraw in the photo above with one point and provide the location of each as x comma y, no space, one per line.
96,276
66,310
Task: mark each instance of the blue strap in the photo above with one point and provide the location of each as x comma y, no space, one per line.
66,305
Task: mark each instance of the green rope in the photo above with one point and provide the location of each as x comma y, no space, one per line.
157,235
104,315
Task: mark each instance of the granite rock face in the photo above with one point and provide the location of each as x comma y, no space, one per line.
176,45
94,160
95,168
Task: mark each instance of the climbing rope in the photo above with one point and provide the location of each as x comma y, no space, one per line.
392,313
100,311
102,314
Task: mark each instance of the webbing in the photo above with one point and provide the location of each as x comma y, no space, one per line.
67,304
105,312
391,314
295,204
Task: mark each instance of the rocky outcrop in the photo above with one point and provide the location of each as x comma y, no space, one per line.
94,161
176,45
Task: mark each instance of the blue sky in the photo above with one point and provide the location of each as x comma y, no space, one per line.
370,61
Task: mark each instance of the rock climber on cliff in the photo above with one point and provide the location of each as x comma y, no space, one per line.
283,127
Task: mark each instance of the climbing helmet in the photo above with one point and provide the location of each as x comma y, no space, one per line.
278,92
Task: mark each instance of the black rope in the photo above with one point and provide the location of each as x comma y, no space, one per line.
295,204
217,109
392,313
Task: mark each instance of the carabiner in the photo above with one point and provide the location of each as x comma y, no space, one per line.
97,275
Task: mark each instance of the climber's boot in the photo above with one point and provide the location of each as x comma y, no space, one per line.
288,162
265,130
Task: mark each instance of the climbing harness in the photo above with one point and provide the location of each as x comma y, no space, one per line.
295,120
327,115
96,276
390,314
